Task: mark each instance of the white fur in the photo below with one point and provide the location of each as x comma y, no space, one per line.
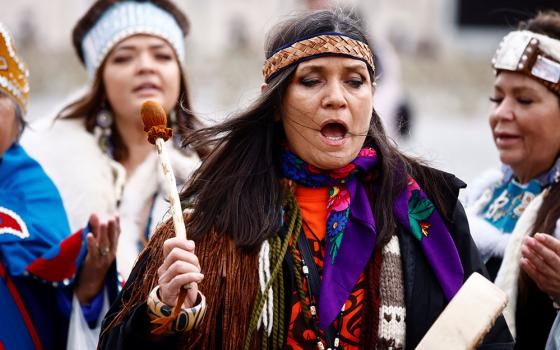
547,44
509,270
91,182
85,177
488,180
489,240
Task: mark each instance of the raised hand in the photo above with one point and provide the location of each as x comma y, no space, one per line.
102,250
540,258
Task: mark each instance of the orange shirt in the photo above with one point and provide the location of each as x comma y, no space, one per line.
313,204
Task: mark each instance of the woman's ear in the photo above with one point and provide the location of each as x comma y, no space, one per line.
264,88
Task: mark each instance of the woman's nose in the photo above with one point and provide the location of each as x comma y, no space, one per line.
334,96
504,110
146,63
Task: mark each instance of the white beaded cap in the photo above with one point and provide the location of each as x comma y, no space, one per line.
125,19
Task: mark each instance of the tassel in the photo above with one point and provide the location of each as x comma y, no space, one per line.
266,316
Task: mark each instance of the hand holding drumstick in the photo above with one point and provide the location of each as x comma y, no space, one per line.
179,274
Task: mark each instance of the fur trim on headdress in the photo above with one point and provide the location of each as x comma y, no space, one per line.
533,54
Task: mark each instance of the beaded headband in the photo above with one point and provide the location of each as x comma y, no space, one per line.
13,72
327,44
535,55
125,19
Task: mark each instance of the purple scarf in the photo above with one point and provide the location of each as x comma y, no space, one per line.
351,230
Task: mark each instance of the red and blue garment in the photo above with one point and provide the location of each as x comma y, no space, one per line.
39,258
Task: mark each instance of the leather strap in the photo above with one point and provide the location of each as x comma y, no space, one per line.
314,278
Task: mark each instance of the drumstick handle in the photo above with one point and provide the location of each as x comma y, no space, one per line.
171,189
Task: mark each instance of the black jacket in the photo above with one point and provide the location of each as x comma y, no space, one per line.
423,296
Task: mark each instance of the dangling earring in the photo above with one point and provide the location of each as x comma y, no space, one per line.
173,124
173,117
104,121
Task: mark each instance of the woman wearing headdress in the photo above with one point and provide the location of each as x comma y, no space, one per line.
96,150
42,265
311,230
514,212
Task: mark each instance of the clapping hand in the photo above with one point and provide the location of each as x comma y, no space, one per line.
540,258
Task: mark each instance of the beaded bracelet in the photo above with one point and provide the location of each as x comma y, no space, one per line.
187,319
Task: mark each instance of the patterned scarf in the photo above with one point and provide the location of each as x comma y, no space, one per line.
508,200
351,229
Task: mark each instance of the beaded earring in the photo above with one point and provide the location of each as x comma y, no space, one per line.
173,124
104,121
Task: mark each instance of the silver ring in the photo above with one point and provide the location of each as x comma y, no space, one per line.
103,251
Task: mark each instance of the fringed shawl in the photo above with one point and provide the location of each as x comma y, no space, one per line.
227,273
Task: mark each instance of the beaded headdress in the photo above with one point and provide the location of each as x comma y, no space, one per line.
125,19
13,72
326,44
535,55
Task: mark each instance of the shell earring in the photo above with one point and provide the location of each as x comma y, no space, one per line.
173,124
104,121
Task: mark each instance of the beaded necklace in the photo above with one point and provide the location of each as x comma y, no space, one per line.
313,306
313,311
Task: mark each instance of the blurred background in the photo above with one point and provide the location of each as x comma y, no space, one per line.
433,59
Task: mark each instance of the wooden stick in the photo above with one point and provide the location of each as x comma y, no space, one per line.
155,125
171,189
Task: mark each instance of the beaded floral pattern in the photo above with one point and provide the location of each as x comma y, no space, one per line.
419,210
339,198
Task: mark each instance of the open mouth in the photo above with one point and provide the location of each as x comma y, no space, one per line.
506,139
146,87
334,131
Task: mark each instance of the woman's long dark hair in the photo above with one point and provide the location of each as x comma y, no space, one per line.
95,99
237,189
